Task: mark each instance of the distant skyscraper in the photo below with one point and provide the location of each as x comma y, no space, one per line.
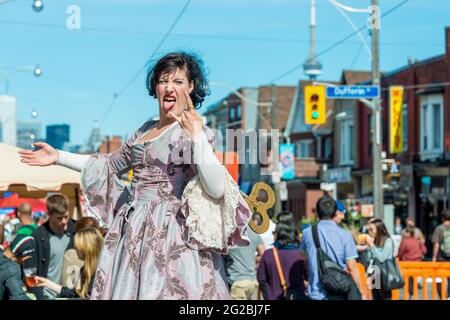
8,134
94,139
28,133
57,135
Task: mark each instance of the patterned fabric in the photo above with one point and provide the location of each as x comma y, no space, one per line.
145,253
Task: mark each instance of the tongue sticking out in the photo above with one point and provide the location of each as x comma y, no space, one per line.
169,105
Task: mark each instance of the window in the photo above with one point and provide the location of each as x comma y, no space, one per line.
327,148
431,126
232,114
238,112
437,125
425,129
304,149
405,126
347,153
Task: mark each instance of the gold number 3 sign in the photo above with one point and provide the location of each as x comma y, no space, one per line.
258,206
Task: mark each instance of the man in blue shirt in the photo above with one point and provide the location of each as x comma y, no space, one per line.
337,243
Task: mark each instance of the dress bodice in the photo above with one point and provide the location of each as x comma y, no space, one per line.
161,161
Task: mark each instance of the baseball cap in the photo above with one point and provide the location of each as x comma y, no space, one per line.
22,245
340,206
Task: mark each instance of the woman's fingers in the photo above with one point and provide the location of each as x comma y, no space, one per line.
31,162
193,114
40,144
28,156
177,118
25,152
190,105
184,119
187,115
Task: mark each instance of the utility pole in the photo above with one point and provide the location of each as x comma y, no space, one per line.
378,197
275,166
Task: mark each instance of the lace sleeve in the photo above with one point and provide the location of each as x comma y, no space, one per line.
216,224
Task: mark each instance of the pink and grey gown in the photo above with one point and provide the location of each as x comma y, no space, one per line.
146,252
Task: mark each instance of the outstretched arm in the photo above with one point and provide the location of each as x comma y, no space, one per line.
72,160
47,155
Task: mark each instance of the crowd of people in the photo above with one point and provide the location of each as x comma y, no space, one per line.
289,268
58,258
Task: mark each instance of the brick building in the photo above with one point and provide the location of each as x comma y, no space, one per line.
249,109
110,145
423,189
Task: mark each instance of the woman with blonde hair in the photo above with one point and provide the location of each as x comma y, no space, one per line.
72,264
88,243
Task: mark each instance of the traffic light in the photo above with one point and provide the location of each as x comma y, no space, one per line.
315,105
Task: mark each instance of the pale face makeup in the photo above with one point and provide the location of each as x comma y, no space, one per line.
170,92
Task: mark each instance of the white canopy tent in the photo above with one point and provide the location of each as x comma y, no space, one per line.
37,182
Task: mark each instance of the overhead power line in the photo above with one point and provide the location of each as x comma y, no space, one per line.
295,68
129,83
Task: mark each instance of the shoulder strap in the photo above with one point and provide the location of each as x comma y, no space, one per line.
280,271
315,234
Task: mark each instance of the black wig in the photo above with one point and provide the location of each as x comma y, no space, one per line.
195,71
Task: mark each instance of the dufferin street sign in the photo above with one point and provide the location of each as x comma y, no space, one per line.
353,92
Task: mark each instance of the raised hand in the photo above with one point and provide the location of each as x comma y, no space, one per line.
189,119
45,156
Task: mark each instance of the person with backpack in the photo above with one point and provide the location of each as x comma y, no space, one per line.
282,271
331,251
441,243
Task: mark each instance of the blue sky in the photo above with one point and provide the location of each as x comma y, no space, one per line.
243,42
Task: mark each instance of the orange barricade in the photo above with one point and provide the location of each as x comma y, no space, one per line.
425,277
362,272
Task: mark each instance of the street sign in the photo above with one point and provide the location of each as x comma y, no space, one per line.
353,92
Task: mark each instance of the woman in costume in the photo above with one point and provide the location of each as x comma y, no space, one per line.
167,231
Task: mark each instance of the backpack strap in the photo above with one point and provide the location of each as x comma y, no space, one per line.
315,234
280,271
